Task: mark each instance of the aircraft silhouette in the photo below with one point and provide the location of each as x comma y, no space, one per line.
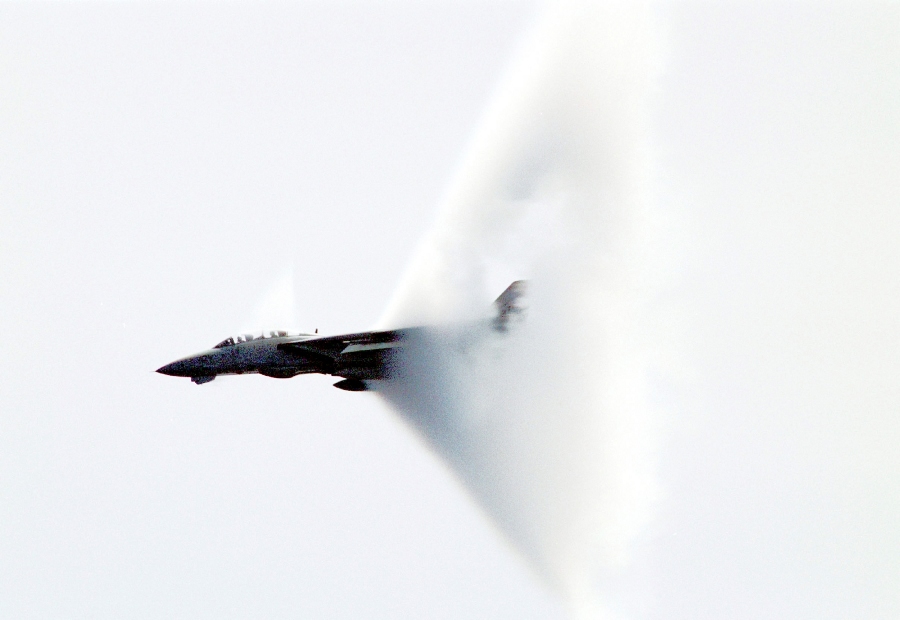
360,359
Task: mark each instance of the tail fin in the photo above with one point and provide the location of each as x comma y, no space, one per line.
508,304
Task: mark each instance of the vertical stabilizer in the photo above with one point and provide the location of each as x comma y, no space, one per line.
508,304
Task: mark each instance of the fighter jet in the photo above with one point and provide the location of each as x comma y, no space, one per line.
361,359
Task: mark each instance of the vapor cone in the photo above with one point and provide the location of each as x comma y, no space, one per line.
546,424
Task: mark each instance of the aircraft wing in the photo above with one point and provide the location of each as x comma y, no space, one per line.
336,347
367,355
342,347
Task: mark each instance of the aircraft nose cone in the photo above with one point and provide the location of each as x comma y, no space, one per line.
175,369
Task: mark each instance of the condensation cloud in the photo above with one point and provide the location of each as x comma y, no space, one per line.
697,419
547,425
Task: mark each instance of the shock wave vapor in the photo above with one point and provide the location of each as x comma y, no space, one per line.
362,360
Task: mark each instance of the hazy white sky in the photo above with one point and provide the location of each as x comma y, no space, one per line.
162,166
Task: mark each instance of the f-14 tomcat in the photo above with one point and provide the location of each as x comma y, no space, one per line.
359,359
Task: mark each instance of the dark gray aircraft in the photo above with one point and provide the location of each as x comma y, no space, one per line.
359,359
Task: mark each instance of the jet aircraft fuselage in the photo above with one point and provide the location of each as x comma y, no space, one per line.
359,359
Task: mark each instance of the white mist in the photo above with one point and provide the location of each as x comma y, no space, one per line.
548,425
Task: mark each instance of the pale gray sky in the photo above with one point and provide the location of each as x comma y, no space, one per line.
162,165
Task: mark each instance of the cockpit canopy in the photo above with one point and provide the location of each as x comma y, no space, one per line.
233,340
